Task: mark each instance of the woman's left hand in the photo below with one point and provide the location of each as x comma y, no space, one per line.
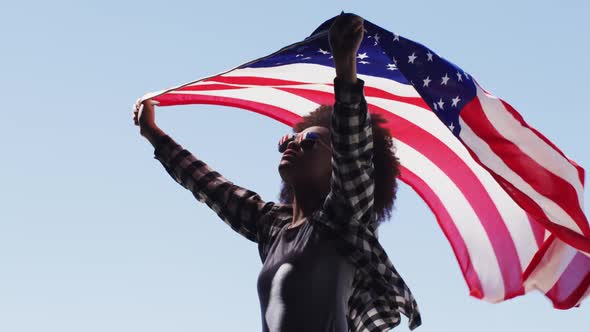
346,34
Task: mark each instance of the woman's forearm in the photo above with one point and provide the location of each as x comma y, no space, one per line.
144,116
346,34
346,68
152,133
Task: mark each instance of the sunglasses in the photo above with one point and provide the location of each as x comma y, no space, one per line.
306,143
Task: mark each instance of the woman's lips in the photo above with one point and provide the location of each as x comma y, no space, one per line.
289,154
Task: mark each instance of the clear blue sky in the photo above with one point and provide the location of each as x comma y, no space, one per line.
95,236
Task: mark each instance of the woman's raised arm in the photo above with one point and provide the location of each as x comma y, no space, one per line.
240,208
351,196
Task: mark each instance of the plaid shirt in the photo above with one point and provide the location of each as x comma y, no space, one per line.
379,293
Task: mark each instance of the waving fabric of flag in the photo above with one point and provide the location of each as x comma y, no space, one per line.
508,200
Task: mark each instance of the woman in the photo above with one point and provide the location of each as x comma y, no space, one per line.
323,268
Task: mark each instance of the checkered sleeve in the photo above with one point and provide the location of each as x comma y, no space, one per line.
380,295
240,208
352,183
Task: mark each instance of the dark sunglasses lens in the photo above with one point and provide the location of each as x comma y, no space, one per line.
307,144
283,146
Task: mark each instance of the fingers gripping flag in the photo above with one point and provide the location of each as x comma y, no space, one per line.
508,200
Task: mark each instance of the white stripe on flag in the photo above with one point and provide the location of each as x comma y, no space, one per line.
313,73
278,98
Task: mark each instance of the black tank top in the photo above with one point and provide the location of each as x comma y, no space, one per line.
304,284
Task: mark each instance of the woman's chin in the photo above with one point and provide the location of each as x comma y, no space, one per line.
286,169
285,163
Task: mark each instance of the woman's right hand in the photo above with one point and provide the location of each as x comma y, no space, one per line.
144,116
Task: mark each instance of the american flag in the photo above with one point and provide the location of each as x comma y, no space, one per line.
508,200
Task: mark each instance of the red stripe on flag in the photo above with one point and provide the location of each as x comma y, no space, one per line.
538,230
448,227
207,87
327,98
374,92
271,111
253,80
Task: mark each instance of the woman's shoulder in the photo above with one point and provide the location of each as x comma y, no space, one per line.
279,215
282,209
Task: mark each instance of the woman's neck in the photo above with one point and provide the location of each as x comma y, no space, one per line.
305,202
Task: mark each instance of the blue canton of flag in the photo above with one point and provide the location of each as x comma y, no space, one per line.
445,87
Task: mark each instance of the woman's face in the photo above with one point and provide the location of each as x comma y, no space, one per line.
306,158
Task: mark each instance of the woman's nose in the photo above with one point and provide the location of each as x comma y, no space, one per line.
293,144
